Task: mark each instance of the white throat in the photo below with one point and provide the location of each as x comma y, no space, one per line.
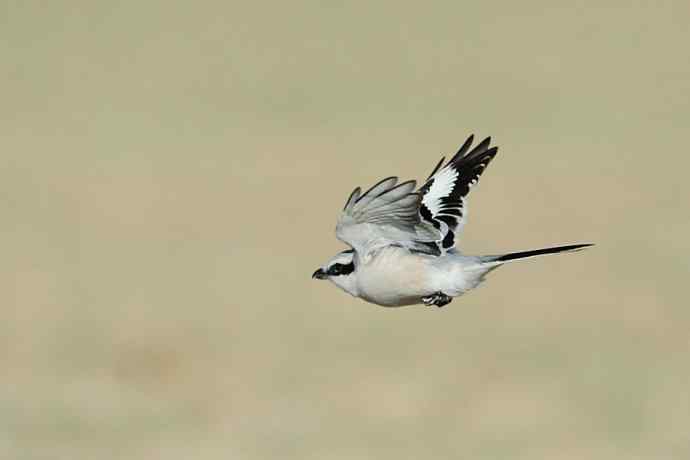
347,283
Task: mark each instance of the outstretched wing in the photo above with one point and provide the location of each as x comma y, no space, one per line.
386,214
444,195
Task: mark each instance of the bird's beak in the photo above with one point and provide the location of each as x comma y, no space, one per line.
319,274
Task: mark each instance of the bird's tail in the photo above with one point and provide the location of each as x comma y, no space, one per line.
499,260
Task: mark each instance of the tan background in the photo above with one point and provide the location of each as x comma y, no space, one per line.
171,173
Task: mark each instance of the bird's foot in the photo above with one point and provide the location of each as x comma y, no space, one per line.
439,299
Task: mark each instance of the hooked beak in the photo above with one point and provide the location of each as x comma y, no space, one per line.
319,274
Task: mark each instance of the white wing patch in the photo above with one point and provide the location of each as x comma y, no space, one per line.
444,196
442,186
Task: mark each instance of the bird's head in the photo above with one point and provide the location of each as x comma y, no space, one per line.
340,270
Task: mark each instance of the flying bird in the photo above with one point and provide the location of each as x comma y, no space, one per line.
402,241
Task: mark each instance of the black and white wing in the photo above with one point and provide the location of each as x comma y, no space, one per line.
386,214
444,195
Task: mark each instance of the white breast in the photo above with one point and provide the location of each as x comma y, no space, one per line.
394,277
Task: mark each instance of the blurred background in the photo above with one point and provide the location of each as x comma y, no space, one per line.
171,173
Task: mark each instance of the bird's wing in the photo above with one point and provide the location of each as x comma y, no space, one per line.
386,214
444,195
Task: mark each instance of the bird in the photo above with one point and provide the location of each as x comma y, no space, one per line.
402,241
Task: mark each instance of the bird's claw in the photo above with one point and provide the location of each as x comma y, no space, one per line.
439,299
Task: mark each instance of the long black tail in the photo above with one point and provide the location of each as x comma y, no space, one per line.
539,252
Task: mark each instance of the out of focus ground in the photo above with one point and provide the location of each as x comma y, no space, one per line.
171,174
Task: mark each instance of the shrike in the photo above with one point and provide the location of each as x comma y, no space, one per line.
403,241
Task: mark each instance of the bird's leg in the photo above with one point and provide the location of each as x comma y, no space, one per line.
439,299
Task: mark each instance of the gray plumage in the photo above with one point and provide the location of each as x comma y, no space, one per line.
404,241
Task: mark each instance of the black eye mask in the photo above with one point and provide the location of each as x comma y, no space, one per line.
341,269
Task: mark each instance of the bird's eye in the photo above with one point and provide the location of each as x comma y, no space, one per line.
341,269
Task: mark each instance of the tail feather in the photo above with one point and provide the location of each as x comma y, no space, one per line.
540,252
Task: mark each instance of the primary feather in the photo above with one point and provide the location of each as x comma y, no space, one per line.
444,195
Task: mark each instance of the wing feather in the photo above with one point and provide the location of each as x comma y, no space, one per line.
444,195
426,220
386,214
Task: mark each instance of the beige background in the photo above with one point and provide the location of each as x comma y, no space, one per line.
171,173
